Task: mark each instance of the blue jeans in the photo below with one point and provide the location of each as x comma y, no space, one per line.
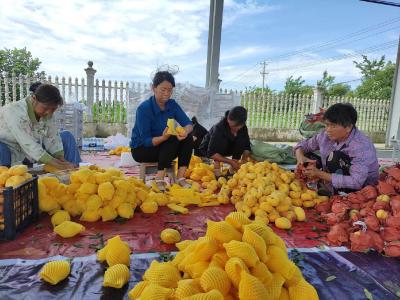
71,151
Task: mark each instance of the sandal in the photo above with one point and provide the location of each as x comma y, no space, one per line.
161,185
183,183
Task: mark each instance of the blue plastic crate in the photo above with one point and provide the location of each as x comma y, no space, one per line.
19,208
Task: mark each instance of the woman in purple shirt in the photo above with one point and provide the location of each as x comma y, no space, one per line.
150,141
348,159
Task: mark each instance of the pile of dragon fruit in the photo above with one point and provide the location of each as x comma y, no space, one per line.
369,218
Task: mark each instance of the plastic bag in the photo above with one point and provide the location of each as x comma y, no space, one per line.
114,141
281,154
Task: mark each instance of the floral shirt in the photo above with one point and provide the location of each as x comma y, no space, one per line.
364,169
25,136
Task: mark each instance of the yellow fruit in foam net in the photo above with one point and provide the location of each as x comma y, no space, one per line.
88,188
72,208
69,229
106,191
102,177
300,214
18,170
242,250
55,271
116,276
205,248
94,202
50,182
251,288
108,213
59,217
186,288
260,270
279,262
154,291
211,295
183,244
197,269
215,278
303,291
219,259
274,286
90,216
149,207
125,210
222,231
283,223
234,267
256,241
137,290
48,204
237,219
14,181
170,236
163,274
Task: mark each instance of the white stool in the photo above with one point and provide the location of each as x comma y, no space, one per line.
151,168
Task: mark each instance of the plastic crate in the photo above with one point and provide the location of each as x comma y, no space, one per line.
19,207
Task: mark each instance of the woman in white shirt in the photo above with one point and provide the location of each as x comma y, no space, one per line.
28,131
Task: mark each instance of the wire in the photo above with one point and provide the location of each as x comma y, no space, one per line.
383,2
339,57
330,43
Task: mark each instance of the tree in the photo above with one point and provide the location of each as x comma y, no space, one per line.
326,82
377,78
19,62
338,90
297,86
370,68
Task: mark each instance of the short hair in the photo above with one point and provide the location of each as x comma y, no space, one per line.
343,114
162,76
238,114
48,94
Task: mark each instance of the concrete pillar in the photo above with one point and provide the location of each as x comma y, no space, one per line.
214,42
393,130
317,100
90,89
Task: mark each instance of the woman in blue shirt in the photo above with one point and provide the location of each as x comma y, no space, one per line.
150,140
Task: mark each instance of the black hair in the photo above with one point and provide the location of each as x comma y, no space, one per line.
194,120
48,94
343,114
161,76
34,86
238,114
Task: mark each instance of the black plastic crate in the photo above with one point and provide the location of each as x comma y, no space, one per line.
19,208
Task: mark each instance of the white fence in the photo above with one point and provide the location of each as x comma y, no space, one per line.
109,101
283,111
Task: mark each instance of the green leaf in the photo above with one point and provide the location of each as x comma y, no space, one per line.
78,245
39,226
368,294
120,220
330,278
173,222
69,260
398,294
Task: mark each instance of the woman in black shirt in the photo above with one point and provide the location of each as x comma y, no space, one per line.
229,137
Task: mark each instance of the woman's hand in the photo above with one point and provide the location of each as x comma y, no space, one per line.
311,170
182,136
61,164
234,164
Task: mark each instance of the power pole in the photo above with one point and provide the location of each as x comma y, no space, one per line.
263,73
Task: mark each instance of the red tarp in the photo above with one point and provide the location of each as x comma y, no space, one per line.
142,233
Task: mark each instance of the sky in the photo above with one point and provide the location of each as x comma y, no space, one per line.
128,40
